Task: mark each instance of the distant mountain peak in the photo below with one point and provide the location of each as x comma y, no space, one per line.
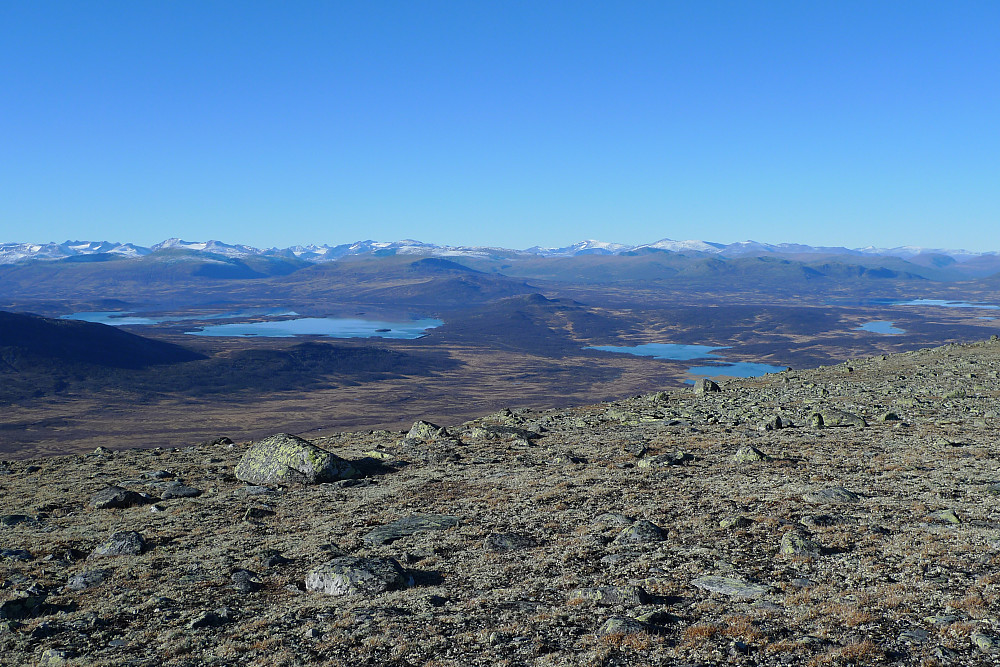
11,253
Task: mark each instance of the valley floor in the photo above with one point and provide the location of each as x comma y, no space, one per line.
635,532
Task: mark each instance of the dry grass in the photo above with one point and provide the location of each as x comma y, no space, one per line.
865,652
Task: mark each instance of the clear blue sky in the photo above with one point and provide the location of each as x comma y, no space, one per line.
501,123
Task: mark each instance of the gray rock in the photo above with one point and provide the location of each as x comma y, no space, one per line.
796,544
115,497
286,459
423,430
836,494
211,619
179,490
14,519
245,581
735,521
54,657
87,579
832,417
945,516
22,606
500,542
16,554
731,586
628,596
772,424
668,459
410,525
704,386
622,625
748,454
641,532
349,575
125,543
985,643
914,636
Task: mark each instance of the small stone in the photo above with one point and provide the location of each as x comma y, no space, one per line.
735,521
14,519
731,586
836,494
629,596
749,454
945,516
622,625
669,459
985,643
501,542
22,606
794,544
831,417
411,525
274,560
772,424
641,532
53,657
179,490
349,575
211,619
115,497
914,636
244,581
87,579
126,543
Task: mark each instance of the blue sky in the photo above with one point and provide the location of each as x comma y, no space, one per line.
501,123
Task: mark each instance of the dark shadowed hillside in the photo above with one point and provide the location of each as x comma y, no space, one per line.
27,340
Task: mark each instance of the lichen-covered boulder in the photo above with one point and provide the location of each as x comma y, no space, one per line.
349,575
423,430
286,459
705,386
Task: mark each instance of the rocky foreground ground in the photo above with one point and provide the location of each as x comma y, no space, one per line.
844,515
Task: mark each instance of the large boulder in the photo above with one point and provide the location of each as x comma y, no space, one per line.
286,459
423,430
350,575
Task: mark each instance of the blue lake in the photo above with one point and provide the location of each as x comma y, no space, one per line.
333,327
677,352
881,327
946,304
672,351
117,318
737,369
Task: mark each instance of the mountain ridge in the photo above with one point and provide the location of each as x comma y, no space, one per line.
13,252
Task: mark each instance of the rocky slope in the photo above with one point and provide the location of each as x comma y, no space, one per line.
844,515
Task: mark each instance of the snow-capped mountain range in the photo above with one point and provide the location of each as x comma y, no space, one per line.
11,253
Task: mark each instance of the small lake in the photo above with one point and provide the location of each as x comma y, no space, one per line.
881,327
117,318
677,352
946,304
737,369
672,351
332,327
